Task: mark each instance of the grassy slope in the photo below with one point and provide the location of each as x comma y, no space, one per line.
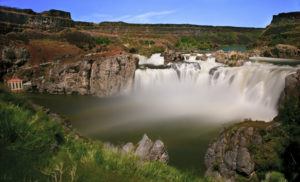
35,147
283,33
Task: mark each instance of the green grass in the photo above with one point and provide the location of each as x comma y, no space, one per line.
34,147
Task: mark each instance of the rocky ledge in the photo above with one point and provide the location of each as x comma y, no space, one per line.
146,149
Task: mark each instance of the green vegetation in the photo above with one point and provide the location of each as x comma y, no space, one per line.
34,147
283,33
79,39
275,177
189,43
102,40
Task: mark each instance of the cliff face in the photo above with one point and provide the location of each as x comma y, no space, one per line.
233,154
12,19
282,18
105,77
284,29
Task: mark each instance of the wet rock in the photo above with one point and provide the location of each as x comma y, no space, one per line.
172,56
202,58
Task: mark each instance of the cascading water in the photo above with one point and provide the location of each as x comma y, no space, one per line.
210,90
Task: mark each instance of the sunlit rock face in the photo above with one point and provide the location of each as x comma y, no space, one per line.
112,76
105,77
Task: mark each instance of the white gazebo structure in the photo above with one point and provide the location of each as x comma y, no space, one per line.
15,84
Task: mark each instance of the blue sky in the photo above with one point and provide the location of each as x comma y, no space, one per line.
245,13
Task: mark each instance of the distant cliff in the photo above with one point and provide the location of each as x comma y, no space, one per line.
284,29
13,19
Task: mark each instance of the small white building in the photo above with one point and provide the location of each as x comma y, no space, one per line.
15,84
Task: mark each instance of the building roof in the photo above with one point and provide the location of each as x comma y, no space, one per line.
15,80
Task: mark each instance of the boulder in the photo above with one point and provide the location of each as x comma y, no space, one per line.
149,151
144,148
202,58
172,56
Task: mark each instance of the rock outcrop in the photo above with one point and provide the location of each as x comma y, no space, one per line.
281,51
232,58
13,19
172,56
145,149
104,77
202,58
290,94
12,58
230,155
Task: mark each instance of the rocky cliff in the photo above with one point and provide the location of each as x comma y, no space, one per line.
289,103
284,29
104,77
231,155
13,19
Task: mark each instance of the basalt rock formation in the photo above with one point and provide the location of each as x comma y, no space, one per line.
146,149
283,29
104,77
17,20
230,155
290,97
13,57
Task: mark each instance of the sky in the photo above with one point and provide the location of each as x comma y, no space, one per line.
243,13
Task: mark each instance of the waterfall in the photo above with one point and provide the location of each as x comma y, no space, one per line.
210,90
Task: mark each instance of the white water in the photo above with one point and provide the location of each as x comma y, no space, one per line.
194,90
155,59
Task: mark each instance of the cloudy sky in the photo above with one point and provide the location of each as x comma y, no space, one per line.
245,13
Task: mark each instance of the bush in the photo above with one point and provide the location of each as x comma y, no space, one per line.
79,39
102,40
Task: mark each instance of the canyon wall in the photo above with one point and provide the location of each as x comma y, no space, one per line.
104,77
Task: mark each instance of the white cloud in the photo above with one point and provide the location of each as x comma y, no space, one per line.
96,17
143,18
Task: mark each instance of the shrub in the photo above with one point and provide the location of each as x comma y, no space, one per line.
79,39
102,40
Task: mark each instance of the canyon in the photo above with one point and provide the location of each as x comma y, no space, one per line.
157,73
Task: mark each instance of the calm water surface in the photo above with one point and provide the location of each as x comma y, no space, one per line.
113,120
